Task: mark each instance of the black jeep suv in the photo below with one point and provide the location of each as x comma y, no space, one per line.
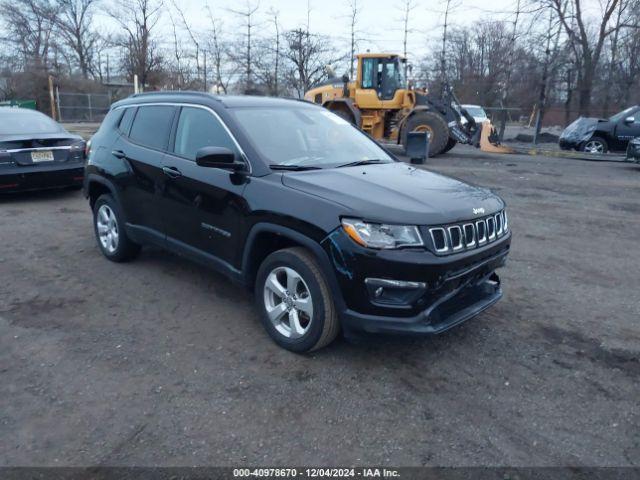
329,229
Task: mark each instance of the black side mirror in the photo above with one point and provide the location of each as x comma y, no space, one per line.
345,78
218,157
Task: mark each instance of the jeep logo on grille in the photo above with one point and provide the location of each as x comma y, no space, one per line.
478,211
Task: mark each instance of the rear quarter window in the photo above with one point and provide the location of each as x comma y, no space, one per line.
152,126
126,120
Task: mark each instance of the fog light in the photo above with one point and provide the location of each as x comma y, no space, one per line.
397,293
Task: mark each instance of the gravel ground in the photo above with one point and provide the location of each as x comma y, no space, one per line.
162,362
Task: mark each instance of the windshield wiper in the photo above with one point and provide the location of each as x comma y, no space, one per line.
293,168
361,162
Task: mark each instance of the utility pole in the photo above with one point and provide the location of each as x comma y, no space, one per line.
443,53
204,56
542,98
52,99
507,82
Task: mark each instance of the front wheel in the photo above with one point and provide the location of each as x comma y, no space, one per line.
294,300
595,145
434,124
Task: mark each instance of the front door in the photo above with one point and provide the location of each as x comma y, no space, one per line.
202,205
628,130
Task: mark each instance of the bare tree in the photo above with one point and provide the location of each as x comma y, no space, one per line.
407,7
551,51
248,16
177,54
353,25
192,36
218,51
587,40
29,25
308,55
509,66
138,20
74,21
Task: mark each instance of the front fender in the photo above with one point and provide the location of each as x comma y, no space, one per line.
314,247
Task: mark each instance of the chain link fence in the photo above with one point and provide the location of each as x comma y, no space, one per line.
82,107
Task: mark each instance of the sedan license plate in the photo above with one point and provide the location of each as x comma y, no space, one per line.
42,156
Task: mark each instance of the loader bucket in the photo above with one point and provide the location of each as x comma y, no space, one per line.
487,144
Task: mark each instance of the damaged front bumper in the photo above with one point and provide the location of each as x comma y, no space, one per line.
415,292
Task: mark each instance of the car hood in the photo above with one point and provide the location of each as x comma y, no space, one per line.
582,129
396,193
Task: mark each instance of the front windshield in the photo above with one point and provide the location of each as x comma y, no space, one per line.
476,111
306,137
623,114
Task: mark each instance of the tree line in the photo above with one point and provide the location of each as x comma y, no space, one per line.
575,56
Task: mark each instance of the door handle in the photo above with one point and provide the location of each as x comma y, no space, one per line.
171,172
118,153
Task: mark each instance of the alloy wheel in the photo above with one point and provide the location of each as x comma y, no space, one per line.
594,147
107,228
288,302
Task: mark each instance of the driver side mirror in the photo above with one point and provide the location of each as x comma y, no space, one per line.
630,120
218,157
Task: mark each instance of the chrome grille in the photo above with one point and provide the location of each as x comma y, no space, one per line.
469,235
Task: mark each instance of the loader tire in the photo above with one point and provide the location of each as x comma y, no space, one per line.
450,144
344,114
433,123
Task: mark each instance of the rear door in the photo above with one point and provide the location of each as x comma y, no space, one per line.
140,151
202,206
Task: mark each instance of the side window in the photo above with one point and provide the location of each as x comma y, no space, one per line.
198,128
368,75
126,119
152,126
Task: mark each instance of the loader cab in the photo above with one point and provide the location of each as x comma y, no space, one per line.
383,73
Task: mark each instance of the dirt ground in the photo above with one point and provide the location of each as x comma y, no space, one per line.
162,362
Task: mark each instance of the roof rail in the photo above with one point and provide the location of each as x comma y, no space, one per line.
174,92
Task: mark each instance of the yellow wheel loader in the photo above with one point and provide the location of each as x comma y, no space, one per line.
379,102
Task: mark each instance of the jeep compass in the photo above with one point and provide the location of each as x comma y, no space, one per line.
330,231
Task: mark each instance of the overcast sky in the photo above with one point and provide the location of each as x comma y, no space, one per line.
379,23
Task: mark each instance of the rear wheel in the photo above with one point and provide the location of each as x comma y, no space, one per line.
434,124
110,233
295,302
595,145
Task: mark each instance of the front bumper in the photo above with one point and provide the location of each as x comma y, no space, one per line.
441,291
453,308
24,178
565,144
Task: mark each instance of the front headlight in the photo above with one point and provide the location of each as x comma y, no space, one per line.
380,235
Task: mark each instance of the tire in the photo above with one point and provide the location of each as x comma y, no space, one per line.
595,145
107,215
450,144
317,321
433,122
344,115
